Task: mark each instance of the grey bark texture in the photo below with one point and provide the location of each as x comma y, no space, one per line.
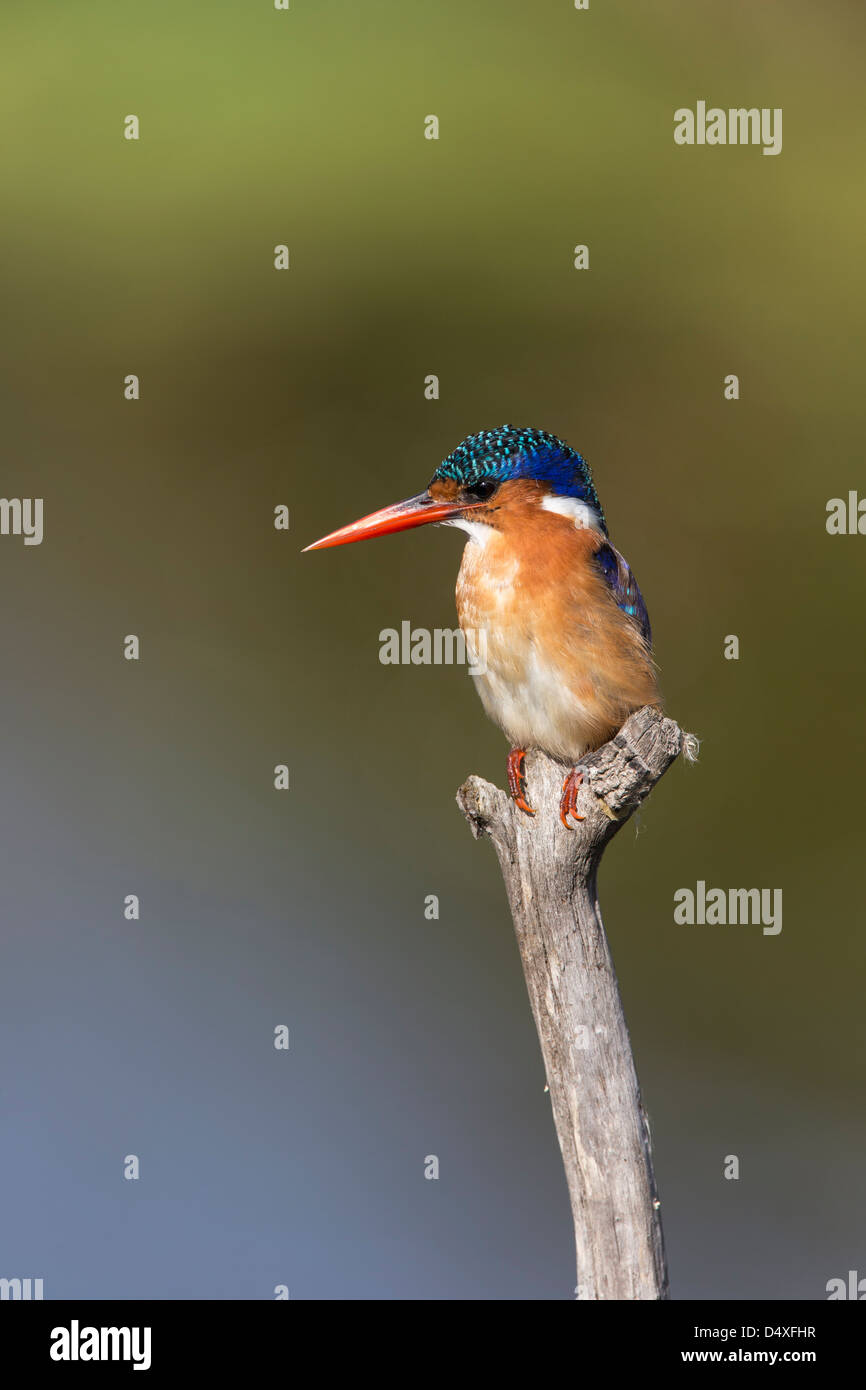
550,878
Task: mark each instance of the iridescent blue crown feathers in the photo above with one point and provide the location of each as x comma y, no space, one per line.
514,451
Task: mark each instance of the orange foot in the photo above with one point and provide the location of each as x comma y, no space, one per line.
517,780
568,804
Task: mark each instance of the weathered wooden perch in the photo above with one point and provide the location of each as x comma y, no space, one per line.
550,877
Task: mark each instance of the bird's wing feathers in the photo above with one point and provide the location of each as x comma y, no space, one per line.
623,585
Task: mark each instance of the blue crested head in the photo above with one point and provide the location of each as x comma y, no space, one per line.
491,457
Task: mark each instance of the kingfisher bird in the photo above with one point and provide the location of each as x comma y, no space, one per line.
568,641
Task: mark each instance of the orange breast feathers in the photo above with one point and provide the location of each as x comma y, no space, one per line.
561,666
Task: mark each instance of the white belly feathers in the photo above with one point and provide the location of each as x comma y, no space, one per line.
524,689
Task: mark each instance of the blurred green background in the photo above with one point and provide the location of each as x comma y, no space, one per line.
411,257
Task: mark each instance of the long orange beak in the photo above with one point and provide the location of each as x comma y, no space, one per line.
415,511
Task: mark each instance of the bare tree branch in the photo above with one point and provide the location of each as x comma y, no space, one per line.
550,878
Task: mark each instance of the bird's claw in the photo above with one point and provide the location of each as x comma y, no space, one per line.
568,802
517,780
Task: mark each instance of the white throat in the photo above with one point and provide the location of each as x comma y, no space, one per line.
477,531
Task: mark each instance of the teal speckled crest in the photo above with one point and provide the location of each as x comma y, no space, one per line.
513,451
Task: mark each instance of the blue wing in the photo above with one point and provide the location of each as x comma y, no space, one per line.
623,586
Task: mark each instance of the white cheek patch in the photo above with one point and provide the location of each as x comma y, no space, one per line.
477,531
579,512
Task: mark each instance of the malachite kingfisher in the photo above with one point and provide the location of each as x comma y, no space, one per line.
568,642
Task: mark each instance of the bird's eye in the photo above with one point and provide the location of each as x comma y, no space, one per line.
480,491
